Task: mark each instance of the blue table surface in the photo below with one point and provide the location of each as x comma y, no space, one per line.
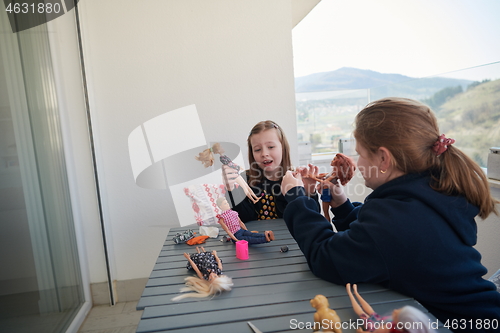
272,289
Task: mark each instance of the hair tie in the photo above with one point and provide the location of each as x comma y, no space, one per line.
274,125
441,145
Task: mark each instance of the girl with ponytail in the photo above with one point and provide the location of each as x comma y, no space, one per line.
415,233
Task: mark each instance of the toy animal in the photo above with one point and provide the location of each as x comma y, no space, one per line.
325,318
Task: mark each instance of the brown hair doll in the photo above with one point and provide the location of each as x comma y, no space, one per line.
343,168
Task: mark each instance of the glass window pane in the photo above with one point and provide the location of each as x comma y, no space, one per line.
40,280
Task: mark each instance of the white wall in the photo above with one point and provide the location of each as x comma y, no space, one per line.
231,58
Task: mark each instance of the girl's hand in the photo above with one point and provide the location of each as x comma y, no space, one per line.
229,176
309,175
290,180
336,191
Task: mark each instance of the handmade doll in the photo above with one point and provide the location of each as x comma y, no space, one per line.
406,319
325,318
343,168
209,280
236,229
207,158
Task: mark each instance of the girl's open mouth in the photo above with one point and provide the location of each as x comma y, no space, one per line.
267,163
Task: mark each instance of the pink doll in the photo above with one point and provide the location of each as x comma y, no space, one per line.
236,229
209,280
406,319
207,158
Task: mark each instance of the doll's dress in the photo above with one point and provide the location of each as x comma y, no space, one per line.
227,161
206,263
373,321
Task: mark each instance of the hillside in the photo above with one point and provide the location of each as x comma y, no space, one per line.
470,114
473,119
380,84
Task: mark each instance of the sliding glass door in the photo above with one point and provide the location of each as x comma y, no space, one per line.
40,279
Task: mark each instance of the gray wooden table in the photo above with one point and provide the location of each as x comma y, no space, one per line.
272,289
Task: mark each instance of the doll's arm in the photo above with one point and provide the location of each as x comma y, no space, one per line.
219,263
226,229
242,225
332,178
247,189
193,265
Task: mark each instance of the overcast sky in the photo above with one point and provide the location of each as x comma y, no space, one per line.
417,38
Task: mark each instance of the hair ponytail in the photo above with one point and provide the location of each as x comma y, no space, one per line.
459,174
409,130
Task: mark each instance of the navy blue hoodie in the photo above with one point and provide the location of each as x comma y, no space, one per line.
407,237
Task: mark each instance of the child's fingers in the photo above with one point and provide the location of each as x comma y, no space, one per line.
313,169
290,180
229,172
298,171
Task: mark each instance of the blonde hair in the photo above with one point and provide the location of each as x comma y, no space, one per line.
207,156
220,200
203,288
409,129
255,174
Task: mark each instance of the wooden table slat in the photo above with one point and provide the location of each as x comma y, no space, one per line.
173,269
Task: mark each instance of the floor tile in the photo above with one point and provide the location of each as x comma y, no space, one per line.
120,318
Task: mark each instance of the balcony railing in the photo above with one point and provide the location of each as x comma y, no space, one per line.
466,103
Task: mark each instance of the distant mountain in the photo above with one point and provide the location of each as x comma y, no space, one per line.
381,84
346,78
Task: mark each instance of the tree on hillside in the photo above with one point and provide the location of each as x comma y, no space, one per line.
476,83
443,95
